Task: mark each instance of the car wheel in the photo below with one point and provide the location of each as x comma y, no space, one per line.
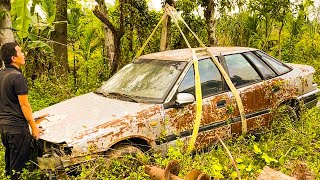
283,117
284,112
124,159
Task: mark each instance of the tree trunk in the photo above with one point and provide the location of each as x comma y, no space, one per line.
117,55
108,36
279,40
60,36
6,34
131,31
74,68
266,28
165,33
164,42
211,23
109,45
116,33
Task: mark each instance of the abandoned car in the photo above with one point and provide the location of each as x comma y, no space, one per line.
151,103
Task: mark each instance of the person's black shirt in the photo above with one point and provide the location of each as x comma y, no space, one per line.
12,84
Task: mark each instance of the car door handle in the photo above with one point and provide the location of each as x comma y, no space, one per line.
221,104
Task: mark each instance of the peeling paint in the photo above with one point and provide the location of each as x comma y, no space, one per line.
92,124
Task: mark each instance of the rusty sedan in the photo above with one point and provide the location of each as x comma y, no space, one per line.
150,103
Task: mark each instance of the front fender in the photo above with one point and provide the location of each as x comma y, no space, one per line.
145,125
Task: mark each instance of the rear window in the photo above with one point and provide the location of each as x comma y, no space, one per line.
265,70
275,64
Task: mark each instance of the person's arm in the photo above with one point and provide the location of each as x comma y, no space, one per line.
27,112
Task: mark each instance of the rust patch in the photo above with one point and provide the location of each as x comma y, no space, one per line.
286,91
208,138
211,113
267,95
124,122
183,118
252,124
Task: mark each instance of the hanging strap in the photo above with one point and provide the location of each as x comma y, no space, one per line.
172,12
197,122
147,41
233,90
176,17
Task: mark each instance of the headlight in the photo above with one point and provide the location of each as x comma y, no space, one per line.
49,149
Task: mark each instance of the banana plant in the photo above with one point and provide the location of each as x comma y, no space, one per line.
49,9
21,12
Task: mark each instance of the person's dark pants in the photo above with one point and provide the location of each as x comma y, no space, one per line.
17,142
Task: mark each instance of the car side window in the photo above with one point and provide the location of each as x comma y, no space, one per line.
265,70
240,70
210,77
187,85
273,63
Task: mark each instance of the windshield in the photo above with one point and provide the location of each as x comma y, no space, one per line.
144,79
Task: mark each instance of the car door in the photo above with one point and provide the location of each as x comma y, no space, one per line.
248,75
216,101
279,89
266,73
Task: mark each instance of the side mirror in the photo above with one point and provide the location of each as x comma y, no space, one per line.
184,98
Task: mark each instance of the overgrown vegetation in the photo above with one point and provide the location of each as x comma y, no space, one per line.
287,146
290,147
288,30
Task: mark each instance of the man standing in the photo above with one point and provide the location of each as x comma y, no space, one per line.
15,111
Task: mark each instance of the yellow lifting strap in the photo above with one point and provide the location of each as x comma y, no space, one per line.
146,42
176,17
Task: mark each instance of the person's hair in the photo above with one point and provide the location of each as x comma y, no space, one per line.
7,51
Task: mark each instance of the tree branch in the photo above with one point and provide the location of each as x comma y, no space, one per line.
6,4
104,20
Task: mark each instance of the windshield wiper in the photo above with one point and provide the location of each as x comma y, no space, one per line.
100,93
125,96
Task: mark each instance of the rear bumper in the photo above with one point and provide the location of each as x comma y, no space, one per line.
310,99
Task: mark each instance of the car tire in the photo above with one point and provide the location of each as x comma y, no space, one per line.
128,155
124,149
286,111
276,123
289,111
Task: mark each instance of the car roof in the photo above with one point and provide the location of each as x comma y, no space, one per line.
186,54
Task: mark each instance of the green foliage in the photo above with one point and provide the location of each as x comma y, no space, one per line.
23,17
2,14
281,148
44,91
41,45
285,146
243,28
49,8
230,109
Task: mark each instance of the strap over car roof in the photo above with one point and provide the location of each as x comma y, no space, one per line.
176,17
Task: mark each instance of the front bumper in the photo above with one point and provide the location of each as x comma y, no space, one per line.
310,99
54,163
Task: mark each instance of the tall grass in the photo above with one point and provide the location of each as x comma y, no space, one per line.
286,146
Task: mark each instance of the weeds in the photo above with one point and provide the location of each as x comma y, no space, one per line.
287,146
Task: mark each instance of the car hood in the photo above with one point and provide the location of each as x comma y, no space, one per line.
70,118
